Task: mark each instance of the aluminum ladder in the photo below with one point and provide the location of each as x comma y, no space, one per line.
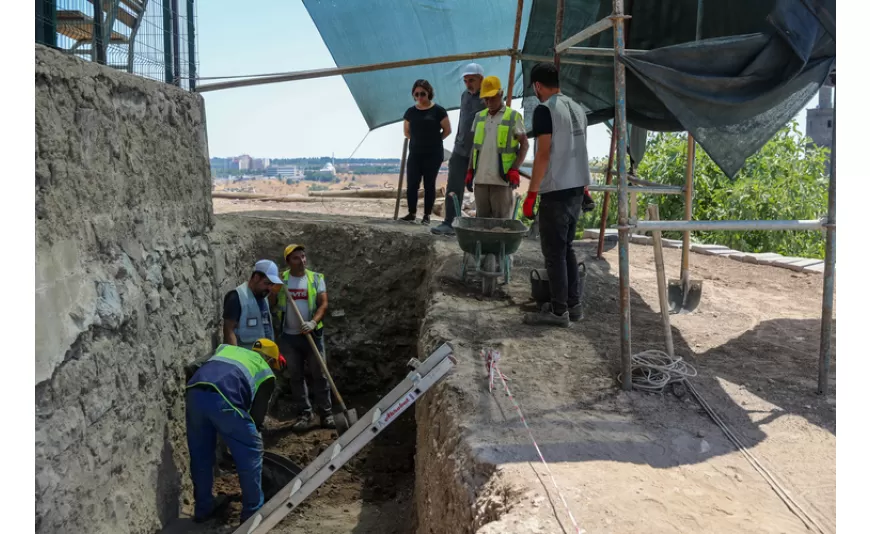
422,377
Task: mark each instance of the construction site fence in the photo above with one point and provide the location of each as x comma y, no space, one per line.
155,39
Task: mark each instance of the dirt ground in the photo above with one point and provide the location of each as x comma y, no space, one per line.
624,461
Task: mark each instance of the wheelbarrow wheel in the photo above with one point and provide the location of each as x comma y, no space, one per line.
490,265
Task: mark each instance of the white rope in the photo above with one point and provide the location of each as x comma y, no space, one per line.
653,370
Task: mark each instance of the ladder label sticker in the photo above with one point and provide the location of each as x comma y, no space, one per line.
398,408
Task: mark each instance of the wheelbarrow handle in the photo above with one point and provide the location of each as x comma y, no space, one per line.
534,274
457,212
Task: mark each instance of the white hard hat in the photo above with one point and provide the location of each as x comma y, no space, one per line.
472,69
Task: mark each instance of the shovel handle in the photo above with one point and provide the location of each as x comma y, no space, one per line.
319,357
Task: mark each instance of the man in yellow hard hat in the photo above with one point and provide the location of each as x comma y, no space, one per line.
307,289
499,148
228,396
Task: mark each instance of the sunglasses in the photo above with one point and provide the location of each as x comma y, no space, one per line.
421,94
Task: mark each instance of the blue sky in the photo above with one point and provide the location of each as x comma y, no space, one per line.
294,119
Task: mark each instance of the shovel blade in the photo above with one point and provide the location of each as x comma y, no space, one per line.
684,299
345,420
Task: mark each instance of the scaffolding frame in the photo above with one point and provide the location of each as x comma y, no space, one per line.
618,149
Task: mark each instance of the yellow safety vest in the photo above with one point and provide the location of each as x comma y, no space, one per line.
506,143
313,280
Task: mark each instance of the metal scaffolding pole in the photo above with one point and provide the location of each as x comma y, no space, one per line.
825,344
621,130
341,71
728,226
515,48
176,45
560,14
191,46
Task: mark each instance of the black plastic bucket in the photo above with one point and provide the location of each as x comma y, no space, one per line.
541,283
278,471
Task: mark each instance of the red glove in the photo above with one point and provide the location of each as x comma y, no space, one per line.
529,204
469,181
282,363
513,177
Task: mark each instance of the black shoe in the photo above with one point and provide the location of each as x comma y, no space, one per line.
575,313
411,217
327,421
443,229
547,317
425,220
305,423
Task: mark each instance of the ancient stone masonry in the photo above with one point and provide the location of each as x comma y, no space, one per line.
124,293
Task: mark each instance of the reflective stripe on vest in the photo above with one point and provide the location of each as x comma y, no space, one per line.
251,367
253,323
507,144
312,294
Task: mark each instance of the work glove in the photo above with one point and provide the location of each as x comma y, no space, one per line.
529,204
308,327
282,363
513,177
469,181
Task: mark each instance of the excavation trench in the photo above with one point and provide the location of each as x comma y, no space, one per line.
378,290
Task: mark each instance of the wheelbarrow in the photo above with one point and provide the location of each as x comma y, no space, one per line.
487,245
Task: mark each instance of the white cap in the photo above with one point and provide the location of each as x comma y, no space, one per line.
472,69
268,268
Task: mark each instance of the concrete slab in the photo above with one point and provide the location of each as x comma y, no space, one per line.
673,243
755,257
815,268
641,239
708,250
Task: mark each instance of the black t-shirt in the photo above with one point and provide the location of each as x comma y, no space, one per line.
426,129
542,121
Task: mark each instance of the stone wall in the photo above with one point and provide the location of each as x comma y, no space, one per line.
124,293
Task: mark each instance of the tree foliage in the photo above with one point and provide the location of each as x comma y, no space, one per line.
784,180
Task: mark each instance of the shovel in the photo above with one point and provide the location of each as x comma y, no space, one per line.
684,295
345,419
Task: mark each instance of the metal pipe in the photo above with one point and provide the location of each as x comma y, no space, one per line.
700,20
191,47
608,180
560,15
546,59
825,343
639,190
401,179
99,38
690,189
167,41
515,48
727,226
341,71
639,181
590,31
594,51
623,227
176,46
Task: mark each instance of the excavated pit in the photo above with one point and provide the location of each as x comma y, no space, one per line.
377,282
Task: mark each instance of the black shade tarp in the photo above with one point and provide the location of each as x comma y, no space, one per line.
758,64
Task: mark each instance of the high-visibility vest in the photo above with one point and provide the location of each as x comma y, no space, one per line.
253,323
236,374
313,281
507,144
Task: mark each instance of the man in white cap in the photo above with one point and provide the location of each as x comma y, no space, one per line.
247,316
471,105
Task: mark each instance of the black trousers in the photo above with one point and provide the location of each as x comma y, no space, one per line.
457,169
423,167
557,221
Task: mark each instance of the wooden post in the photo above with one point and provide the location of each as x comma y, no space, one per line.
653,215
515,56
690,186
401,178
560,15
609,180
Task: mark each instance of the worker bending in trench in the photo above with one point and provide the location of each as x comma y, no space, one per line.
228,396
499,148
307,289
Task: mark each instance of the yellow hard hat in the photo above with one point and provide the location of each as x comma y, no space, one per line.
490,87
291,248
269,350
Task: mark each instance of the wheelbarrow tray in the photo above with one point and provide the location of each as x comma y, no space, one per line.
490,233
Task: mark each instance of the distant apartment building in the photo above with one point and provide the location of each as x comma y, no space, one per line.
245,162
285,171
